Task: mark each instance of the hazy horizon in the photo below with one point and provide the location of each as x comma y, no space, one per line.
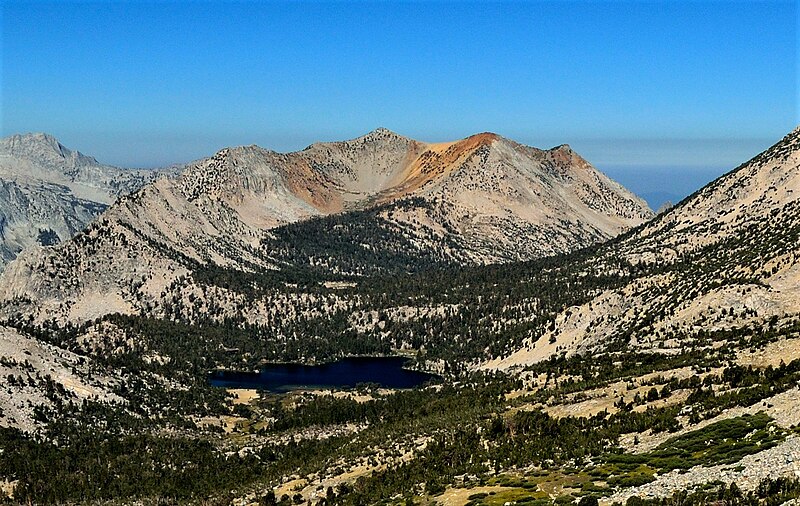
635,85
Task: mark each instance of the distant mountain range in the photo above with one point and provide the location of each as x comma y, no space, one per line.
660,184
378,203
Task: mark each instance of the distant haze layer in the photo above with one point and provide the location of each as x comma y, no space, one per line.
659,185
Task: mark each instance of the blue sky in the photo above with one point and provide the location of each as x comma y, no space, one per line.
631,85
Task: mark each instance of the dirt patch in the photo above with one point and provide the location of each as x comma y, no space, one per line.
460,496
7,488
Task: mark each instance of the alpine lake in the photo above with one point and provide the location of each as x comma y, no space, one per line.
386,372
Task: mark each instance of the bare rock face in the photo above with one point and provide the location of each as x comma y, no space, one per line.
727,257
42,213
49,193
482,199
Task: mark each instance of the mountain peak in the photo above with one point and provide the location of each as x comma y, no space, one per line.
483,138
36,141
450,202
45,148
39,137
380,133
244,149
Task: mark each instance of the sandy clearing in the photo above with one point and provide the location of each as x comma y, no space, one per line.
243,395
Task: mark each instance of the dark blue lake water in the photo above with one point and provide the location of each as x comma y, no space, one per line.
387,372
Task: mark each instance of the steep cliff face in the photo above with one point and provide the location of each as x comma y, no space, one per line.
48,193
40,213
